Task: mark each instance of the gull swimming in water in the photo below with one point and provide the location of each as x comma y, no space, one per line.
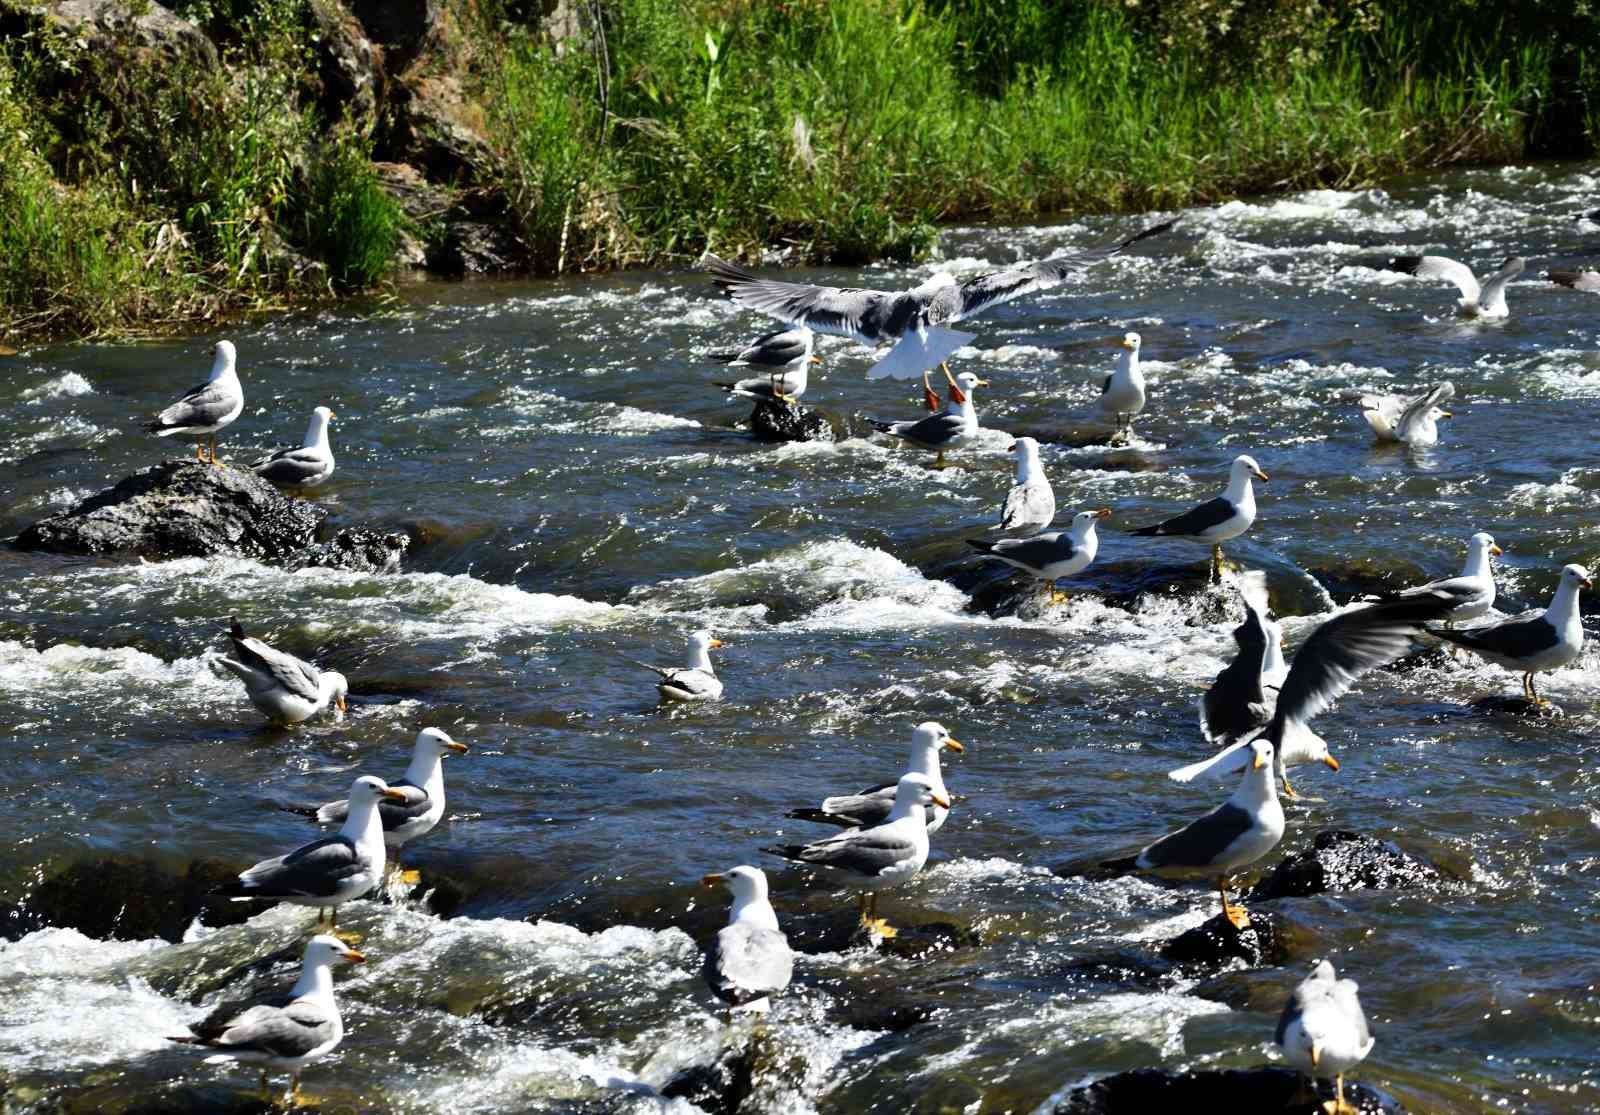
1217,520
949,429
1122,394
306,466
1031,502
915,320
1323,1031
749,959
1049,557
872,806
1324,668
696,681
870,859
1408,421
1535,641
784,355
205,409
1485,301
421,790
282,1033
284,687
331,871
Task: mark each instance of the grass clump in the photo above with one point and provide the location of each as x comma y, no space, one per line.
351,223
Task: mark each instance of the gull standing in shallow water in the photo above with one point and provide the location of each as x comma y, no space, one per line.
1408,421
287,689
1325,667
1473,590
1485,301
1217,520
1031,502
784,356
307,466
872,806
282,1033
1122,394
1323,1031
207,408
422,796
949,429
886,855
1534,641
1047,557
912,320
749,960
329,872
696,681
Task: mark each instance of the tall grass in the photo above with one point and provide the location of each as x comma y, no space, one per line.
350,222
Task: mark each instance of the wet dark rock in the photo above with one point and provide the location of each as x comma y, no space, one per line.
463,246
1505,705
359,550
1257,1091
107,26
1340,861
1217,942
775,421
891,1018
839,931
1352,580
718,1088
126,898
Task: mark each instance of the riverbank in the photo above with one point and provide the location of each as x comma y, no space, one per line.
169,167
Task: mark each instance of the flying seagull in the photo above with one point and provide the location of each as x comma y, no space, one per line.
1323,1031
869,859
1031,502
1485,301
696,681
872,806
783,356
1047,557
287,689
1324,668
207,408
748,961
905,318
1534,641
1408,421
307,466
281,1033
949,429
1122,393
422,791
1217,520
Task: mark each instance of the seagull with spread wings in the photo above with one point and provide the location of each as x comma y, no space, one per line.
1485,300
1394,418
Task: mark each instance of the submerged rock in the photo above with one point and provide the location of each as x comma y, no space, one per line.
127,899
775,421
1267,1089
1500,704
360,550
1338,861
718,1088
1217,941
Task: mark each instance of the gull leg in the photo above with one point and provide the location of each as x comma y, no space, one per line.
199,445
349,937
1288,790
1237,915
1338,1105
409,876
1533,692
938,462
950,378
864,916
1216,563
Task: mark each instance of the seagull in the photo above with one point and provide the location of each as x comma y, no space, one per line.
748,961
1232,836
1409,421
1240,701
1473,590
307,466
886,855
207,408
695,682
1487,301
873,806
1323,1031
1122,393
331,871
949,429
281,685
1031,503
913,320
1577,280
1217,520
421,790
1326,665
1534,641
282,1033
1061,553
784,355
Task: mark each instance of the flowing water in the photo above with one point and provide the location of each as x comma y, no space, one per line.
582,494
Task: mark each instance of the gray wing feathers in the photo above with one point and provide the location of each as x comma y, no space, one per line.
314,870
934,430
862,852
300,678
744,964
1577,280
291,1031
842,312
1028,505
290,466
1201,842
1036,553
979,294
205,405
1441,267
1420,406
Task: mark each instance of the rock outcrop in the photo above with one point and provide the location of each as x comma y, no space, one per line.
1340,861
774,421
1276,1090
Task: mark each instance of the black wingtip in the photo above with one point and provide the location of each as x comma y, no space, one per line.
1406,264
1147,532
880,425
822,817
785,851
235,628
300,810
1153,230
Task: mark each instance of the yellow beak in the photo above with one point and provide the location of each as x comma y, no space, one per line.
332,415
1258,764
941,801
716,643
1261,476
394,795
982,383
352,954
816,359
1445,414
953,744
1333,764
711,880
1103,513
457,746
1496,551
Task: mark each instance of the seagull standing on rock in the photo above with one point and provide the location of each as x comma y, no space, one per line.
1060,553
1217,520
784,356
205,409
1031,503
1122,394
949,429
1323,1031
1534,641
305,467
749,959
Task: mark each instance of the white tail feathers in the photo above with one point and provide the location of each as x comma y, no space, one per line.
1229,760
911,355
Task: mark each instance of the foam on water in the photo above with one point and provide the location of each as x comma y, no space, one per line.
69,384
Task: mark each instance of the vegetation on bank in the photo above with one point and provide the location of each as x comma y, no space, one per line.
141,196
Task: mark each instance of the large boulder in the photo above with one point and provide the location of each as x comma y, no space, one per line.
1217,942
126,898
101,26
774,421
349,65
1257,1091
1340,861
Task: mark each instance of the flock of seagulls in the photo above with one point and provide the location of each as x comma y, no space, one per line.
1258,711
